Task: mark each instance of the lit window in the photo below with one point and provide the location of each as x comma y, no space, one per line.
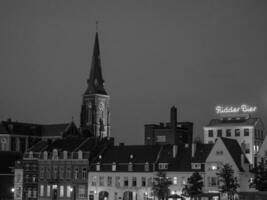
146,166
97,166
130,167
114,166
41,190
163,165
210,133
69,190
48,190
61,191
174,181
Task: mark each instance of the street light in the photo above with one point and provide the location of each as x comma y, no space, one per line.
12,190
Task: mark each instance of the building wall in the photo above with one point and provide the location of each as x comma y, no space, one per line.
219,156
98,182
254,143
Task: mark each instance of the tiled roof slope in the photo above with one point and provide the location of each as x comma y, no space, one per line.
234,122
235,151
201,153
7,160
123,154
54,129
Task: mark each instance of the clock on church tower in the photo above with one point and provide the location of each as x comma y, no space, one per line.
95,112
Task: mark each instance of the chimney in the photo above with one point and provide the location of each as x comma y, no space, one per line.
173,119
174,150
193,149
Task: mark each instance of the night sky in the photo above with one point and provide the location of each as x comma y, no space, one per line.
155,54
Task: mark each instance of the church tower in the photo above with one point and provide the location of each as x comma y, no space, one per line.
95,112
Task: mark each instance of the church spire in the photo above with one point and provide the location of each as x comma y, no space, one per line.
96,81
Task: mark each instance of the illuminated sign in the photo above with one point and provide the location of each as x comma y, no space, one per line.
233,109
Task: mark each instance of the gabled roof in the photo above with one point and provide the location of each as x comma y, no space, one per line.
233,122
235,151
7,160
202,152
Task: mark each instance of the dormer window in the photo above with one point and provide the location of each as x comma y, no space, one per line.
146,167
45,155
98,166
130,167
80,155
55,155
113,166
163,165
196,166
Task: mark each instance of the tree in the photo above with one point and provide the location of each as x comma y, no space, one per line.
228,183
260,177
161,185
194,185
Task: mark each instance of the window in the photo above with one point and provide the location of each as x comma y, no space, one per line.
161,138
48,173
210,132
82,191
126,182
34,192
41,190
69,190
228,132
146,167
174,181
134,183
212,181
84,174
68,173
29,192
94,181
101,180
237,132
76,173
196,166
48,190
130,167
113,166
117,181
246,132
219,133
247,148
219,152
163,165
143,181
41,172
61,173
149,182
61,191
109,181
55,172
97,166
